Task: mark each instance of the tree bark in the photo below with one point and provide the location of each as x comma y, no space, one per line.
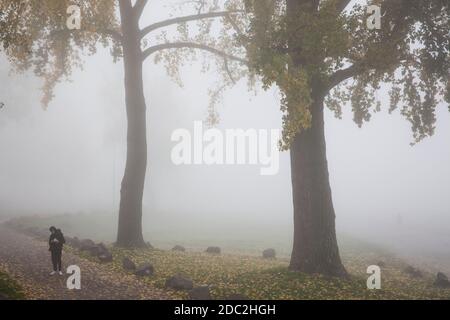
130,213
315,248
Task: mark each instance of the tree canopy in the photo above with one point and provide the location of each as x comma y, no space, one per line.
301,44
34,35
294,44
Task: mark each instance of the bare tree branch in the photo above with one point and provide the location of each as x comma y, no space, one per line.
191,45
139,7
178,20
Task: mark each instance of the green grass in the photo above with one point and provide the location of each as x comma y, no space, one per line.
259,279
248,274
9,288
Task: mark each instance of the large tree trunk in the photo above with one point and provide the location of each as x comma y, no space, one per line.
315,247
132,188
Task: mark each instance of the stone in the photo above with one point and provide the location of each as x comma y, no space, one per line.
95,251
200,293
103,254
269,254
415,273
128,264
213,250
441,281
105,257
102,249
145,270
87,245
179,248
179,282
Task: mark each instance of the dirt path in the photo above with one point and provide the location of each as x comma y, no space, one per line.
28,261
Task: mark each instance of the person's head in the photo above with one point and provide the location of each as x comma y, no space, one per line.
52,229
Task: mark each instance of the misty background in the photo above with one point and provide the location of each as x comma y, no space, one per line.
70,159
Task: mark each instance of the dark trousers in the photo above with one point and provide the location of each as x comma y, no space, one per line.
56,259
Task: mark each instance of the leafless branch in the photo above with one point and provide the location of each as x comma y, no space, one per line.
191,45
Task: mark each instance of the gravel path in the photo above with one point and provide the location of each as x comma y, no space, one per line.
28,261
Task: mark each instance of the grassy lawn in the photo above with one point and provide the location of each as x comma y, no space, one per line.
258,278
9,288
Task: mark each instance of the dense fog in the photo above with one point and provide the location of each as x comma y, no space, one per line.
70,158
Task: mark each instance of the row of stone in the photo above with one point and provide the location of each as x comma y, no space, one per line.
98,250
104,255
102,252
176,282
267,254
441,280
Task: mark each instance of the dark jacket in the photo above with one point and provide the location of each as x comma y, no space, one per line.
56,246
